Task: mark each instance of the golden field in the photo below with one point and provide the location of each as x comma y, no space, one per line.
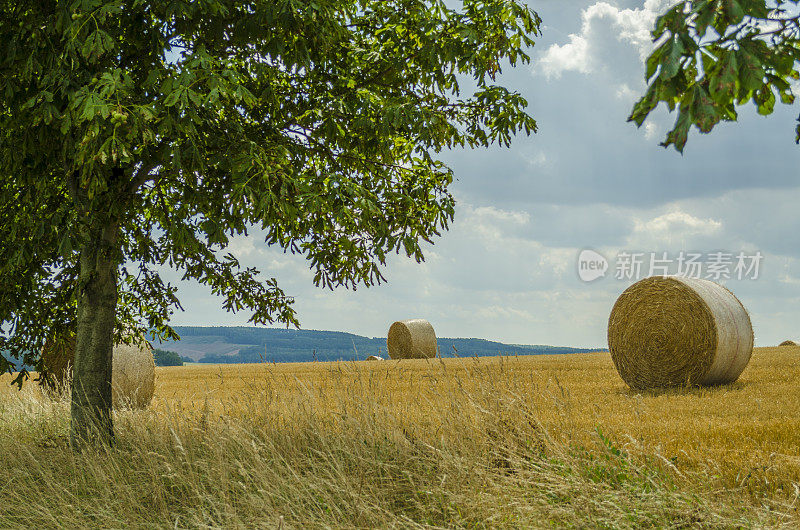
534,441
747,432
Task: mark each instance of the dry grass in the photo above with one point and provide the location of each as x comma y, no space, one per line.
747,433
536,441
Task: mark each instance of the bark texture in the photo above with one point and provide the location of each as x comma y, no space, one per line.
97,302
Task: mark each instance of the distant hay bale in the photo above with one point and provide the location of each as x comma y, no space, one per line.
411,339
374,358
788,343
132,375
668,331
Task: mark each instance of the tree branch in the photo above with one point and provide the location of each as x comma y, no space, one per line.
142,175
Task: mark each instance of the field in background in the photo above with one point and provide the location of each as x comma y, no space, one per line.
512,441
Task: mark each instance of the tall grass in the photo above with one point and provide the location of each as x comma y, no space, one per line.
433,444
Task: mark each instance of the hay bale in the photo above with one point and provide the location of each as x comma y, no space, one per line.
132,375
788,343
374,358
668,331
411,339
57,356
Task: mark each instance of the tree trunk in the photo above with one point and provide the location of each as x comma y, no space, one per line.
97,302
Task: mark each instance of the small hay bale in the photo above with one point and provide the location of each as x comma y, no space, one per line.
788,343
132,375
374,358
411,339
670,331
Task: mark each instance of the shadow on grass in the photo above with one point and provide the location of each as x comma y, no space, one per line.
693,390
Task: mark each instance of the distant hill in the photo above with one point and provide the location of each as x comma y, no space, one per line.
250,344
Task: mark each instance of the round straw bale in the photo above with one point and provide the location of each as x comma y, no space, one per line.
57,357
132,375
374,358
788,343
411,339
667,331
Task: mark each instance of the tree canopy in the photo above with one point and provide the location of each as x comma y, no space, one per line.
137,135
166,358
715,55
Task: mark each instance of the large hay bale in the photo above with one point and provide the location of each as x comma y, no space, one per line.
788,343
132,375
411,339
668,331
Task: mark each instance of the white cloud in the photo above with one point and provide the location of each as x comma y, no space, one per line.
491,224
497,312
651,130
571,56
584,51
242,246
537,158
677,222
492,214
789,279
625,92
559,260
674,230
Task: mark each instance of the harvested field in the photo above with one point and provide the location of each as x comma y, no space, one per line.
735,429
531,441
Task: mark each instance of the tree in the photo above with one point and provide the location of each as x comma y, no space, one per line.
714,55
167,358
138,134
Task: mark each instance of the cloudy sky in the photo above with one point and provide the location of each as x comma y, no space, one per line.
508,268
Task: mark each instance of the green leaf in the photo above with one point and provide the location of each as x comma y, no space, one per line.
173,98
734,13
723,79
668,21
765,101
751,72
195,98
680,133
705,11
670,58
646,104
783,63
652,63
97,44
65,247
704,111
746,58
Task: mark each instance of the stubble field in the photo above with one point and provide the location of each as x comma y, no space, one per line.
535,441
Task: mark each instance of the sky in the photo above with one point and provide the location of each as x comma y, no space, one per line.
508,269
